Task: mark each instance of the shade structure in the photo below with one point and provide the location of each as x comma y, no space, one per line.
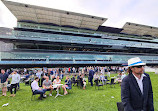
38,14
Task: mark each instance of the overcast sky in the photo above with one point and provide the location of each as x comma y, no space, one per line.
118,12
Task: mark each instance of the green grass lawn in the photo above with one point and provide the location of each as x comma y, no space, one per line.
90,99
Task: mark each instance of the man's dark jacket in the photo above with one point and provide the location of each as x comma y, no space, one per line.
91,74
131,96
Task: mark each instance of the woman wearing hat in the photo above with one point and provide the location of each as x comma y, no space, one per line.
136,88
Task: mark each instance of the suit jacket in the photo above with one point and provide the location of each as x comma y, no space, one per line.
91,73
131,96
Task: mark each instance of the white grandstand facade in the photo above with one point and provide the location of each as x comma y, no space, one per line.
45,36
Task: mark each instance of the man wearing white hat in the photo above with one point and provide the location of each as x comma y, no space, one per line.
136,88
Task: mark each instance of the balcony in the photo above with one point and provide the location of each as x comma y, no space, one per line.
66,58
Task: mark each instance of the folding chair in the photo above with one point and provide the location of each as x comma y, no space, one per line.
27,82
79,83
120,106
33,94
70,88
112,82
73,81
106,77
97,84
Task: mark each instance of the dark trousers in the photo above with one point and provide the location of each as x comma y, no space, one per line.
18,85
41,92
75,81
91,80
11,88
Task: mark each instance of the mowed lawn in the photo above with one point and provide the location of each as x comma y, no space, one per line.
78,99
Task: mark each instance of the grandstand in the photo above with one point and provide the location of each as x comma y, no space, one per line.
51,37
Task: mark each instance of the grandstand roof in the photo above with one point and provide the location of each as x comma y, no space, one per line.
109,29
138,29
25,12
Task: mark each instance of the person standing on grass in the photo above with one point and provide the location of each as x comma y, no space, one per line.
91,74
3,82
15,80
136,88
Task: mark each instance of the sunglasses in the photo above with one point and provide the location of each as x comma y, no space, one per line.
138,66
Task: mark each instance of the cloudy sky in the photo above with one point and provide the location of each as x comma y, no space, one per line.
118,12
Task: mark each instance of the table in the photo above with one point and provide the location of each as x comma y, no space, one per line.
56,86
22,79
113,77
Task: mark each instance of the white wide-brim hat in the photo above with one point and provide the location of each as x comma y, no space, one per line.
135,62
